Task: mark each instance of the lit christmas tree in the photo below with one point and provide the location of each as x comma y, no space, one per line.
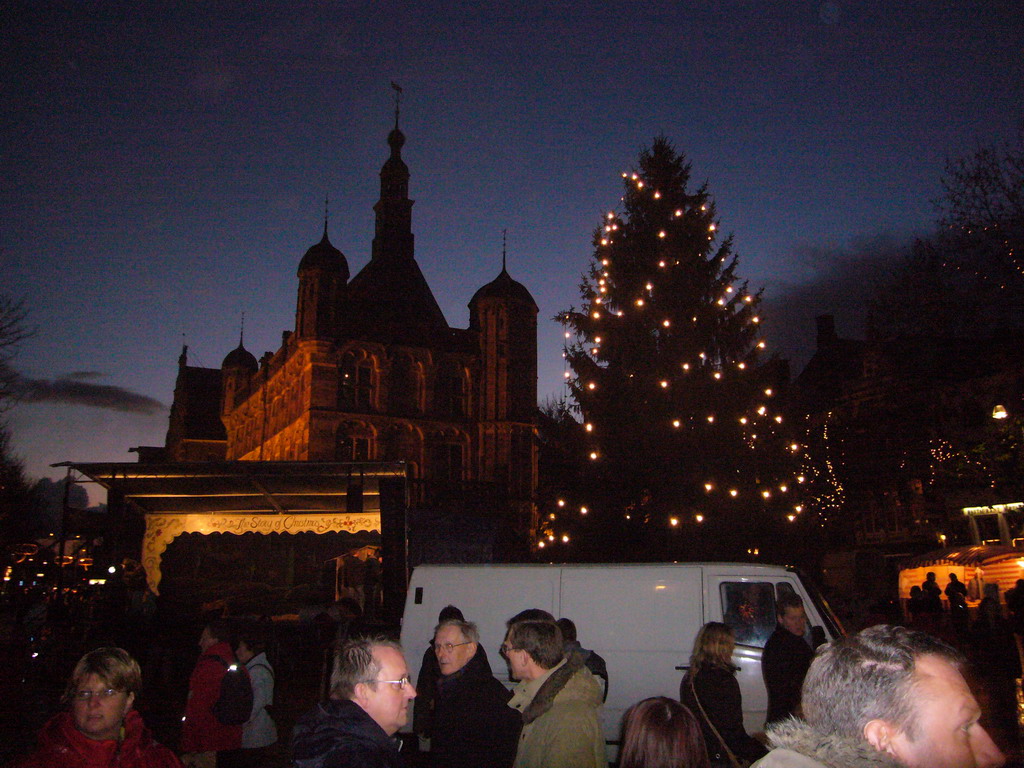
685,443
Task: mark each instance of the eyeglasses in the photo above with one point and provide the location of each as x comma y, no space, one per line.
449,647
86,695
506,649
398,685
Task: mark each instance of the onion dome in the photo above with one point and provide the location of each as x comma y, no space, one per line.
240,358
504,287
326,257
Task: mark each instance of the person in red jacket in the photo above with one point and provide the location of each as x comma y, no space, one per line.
202,734
101,730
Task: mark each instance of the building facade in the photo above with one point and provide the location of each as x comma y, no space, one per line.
373,372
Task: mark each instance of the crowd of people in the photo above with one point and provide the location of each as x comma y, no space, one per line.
887,696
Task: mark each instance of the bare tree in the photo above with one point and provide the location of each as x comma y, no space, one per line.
13,331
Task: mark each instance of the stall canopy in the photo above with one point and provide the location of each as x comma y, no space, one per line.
249,497
990,563
244,487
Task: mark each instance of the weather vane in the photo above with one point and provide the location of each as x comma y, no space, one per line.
398,100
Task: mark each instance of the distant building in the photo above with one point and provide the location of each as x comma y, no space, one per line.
901,434
373,372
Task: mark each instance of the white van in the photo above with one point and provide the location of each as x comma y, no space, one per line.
641,618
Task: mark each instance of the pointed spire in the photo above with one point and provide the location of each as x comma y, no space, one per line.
241,333
504,237
327,210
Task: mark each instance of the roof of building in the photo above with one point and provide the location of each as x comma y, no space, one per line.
242,358
326,257
504,287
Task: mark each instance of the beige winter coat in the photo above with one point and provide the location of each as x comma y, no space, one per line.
561,718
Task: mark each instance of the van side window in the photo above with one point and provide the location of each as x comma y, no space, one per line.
749,608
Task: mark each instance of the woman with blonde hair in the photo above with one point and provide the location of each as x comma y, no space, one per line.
710,690
661,733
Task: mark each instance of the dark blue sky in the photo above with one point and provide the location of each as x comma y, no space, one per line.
164,168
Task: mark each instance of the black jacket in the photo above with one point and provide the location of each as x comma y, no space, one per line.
473,725
784,665
339,734
719,694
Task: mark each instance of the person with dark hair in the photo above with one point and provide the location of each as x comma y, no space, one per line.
595,663
100,728
661,733
426,682
530,614
956,593
887,696
786,658
259,732
473,725
711,692
560,700
369,702
932,593
202,734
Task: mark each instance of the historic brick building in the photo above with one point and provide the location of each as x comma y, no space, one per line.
373,372
903,433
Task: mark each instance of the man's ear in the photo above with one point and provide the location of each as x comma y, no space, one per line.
880,734
359,692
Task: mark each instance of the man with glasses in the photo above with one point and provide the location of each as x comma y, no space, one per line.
558,697
369,702
101,727
473,725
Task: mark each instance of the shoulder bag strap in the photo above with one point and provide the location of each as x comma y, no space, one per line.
733,760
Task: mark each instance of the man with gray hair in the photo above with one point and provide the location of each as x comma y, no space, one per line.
887,696
473,725
369,702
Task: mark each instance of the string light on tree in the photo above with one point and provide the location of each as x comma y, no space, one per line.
648,325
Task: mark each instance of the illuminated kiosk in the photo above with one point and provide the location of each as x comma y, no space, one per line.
261,497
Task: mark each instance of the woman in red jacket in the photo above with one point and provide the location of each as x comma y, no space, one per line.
101,730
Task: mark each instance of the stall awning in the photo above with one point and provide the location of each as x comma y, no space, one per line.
239,497
244,487
970,555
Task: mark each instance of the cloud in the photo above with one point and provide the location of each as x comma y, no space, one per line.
842,281
75,389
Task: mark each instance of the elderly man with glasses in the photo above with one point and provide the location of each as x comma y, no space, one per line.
369,702
473,725
101,728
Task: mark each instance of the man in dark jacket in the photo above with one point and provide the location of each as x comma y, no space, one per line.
786,659
355,728
473,725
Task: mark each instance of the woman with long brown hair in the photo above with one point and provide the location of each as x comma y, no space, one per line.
710,690
661,733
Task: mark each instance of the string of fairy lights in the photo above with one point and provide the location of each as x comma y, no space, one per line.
598,321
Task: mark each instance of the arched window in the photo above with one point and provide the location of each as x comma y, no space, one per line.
355,384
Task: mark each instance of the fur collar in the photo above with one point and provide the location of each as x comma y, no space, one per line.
545,696
830,750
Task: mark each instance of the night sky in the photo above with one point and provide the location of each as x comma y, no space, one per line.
164,166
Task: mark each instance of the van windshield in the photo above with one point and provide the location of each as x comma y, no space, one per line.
833,625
